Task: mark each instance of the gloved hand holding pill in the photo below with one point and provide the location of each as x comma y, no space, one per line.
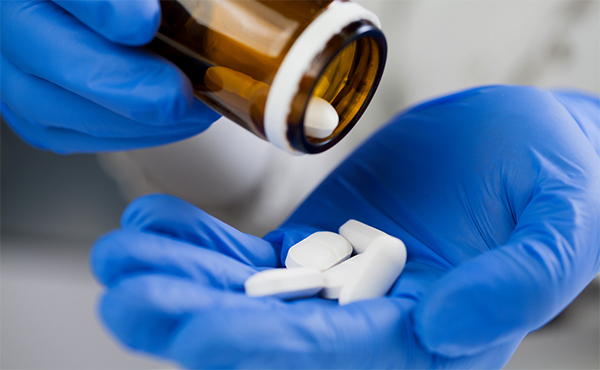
74,78
362,277
494,191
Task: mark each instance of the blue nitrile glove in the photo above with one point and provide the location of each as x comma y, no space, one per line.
75,80
495,191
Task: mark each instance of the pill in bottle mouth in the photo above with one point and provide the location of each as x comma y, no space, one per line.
321,119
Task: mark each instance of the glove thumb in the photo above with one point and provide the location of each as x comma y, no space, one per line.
552,254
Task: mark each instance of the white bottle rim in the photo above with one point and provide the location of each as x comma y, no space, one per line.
297,61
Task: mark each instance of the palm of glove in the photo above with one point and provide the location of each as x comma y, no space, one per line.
495,192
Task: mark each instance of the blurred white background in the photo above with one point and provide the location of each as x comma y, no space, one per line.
53,207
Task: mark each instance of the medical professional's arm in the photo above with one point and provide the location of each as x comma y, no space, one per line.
495,192
74,78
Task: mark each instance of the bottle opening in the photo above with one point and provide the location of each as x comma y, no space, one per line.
346,82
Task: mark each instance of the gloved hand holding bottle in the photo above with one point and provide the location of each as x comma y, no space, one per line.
495,191
75,80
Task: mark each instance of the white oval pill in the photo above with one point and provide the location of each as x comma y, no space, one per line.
284,283
321,250
381,264
337,276
321,118
359,235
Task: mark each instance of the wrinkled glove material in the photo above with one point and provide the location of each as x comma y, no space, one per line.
495,192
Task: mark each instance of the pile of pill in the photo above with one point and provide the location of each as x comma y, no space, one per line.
323,263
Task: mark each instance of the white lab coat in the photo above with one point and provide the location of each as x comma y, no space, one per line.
435,47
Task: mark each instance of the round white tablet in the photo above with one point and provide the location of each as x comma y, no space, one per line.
321,118
321,250
359,235
284,283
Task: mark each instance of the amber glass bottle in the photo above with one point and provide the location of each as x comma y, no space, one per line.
260,62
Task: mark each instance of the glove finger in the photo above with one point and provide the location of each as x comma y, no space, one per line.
301,335
131,23
124,253
550,257
49,105
145,311
305,335
65,141
132,82
174,217
416,280
202,327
